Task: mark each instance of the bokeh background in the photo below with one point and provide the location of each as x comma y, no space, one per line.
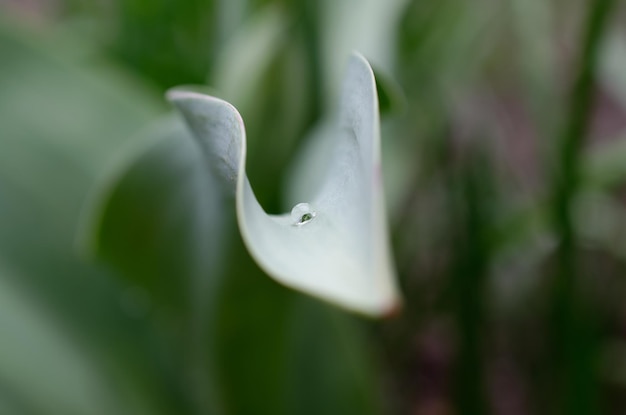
125,287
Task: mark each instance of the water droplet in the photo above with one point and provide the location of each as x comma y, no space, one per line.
302,214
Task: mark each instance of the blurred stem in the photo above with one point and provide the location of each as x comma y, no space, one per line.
310,14
573,352
469,282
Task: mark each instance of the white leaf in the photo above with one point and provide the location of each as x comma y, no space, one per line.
333,245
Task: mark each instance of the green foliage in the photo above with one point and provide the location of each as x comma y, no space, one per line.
63,115
168,41
126,289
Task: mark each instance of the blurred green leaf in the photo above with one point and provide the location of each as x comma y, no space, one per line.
280,353
64,110
167,41
239,70
442,45
333,371
61,119
41,370
158,217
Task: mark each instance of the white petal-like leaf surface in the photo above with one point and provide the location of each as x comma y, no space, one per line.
334,245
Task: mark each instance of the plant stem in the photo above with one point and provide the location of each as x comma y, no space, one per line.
310,10
470,279
573,336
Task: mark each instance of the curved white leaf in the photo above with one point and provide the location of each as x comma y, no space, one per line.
334,245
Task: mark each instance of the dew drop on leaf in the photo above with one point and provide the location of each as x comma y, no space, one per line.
302,214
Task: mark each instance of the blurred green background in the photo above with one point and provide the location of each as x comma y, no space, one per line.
125,287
